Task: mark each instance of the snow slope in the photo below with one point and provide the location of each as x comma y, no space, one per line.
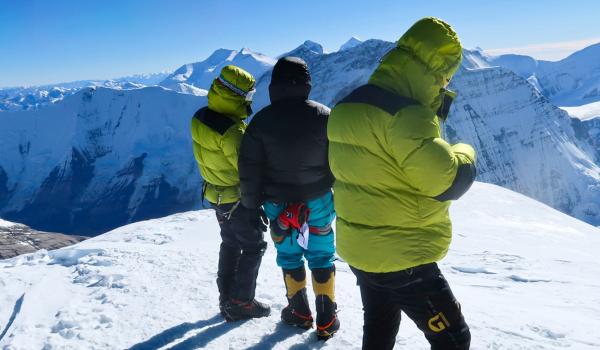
525,275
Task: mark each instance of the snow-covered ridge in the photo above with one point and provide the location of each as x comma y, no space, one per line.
510,256
34,97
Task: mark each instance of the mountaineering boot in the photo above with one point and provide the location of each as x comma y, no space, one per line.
297,312
324,288
239,310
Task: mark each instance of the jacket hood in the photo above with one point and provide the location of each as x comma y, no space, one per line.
424,60
224,99
290,79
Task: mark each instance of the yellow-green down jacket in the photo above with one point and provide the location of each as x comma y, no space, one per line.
394,173
217,132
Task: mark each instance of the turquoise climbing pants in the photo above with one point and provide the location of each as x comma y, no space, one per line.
321,246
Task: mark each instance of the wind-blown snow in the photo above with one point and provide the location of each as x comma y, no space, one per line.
525,274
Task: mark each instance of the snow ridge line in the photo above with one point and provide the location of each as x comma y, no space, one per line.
13,316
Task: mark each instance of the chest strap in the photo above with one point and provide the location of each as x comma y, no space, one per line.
216,121
379,97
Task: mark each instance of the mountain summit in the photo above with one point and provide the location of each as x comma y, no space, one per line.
352,42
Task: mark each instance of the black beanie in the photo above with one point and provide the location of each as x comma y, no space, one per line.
290,71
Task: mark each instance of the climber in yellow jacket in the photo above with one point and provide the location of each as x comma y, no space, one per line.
395,177
217,132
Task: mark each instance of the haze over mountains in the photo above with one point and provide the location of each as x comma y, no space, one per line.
94,158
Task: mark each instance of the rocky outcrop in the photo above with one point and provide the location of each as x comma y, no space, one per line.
17,239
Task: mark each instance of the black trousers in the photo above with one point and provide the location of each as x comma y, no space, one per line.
240,254
424,295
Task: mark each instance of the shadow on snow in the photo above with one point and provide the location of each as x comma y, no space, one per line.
215,327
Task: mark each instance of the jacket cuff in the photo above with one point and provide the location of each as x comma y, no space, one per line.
465,176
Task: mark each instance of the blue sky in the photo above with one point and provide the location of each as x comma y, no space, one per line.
64,40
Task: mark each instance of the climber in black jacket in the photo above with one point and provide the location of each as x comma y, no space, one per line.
283,166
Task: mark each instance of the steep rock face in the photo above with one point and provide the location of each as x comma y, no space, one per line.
524,142
99,159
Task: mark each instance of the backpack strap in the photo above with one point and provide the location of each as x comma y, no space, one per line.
379,97
216,121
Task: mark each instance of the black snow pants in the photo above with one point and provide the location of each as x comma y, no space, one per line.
424,295
240,255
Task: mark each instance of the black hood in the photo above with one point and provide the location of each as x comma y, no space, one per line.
290,80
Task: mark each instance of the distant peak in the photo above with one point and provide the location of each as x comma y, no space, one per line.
246,51
313,46
220,55
352,42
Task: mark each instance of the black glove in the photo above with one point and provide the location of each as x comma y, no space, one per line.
256,218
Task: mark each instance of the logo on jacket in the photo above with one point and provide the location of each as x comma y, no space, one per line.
438,323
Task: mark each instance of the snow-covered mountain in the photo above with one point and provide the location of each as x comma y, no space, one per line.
151,285
572,81
34,97
69,156
99,159
525,143
201,74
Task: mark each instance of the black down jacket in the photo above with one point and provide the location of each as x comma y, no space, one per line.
283,156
